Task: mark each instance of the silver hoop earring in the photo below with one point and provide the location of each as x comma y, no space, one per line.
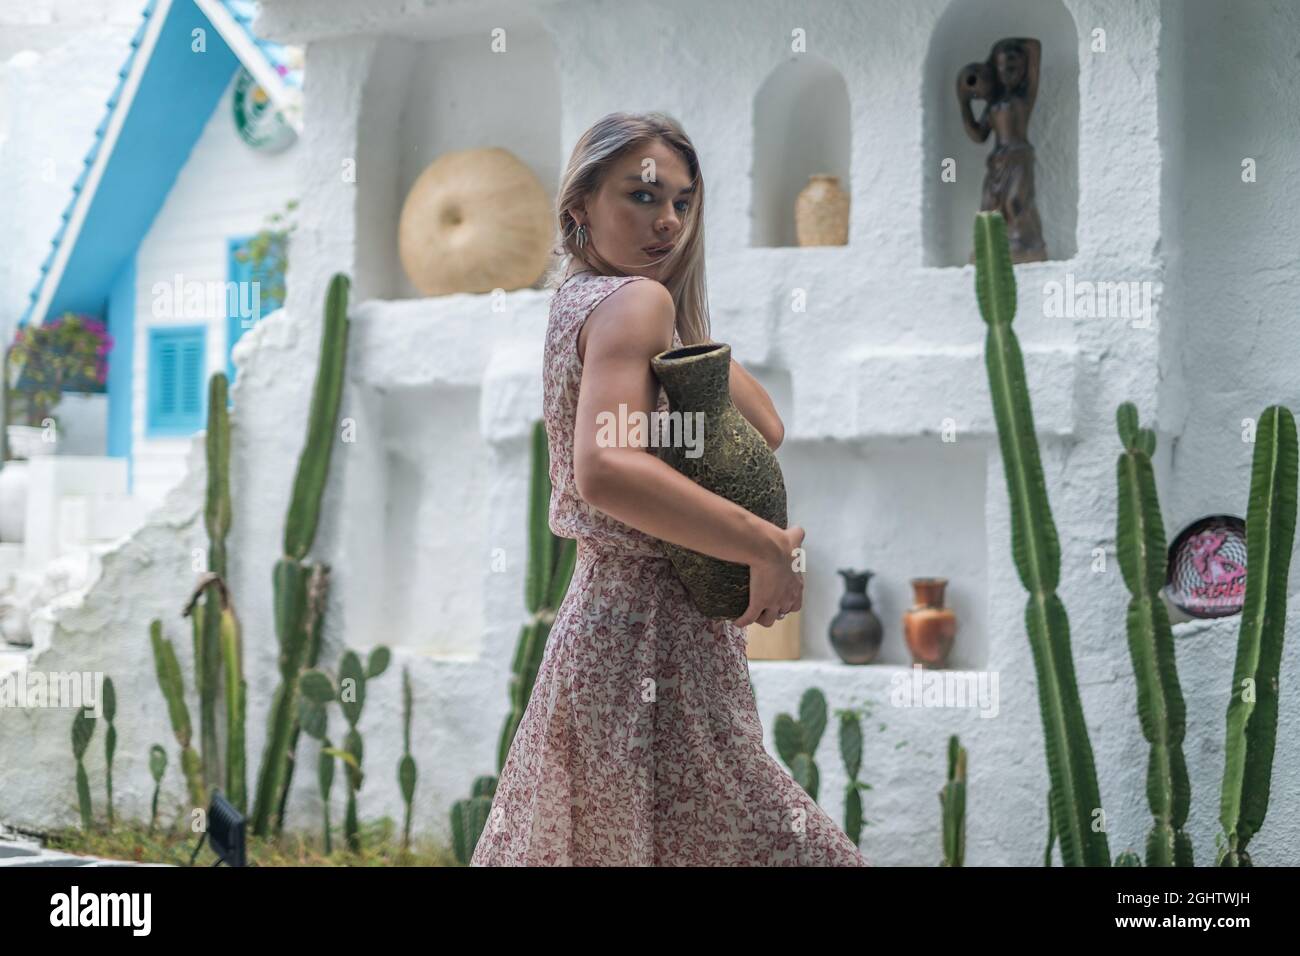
581,237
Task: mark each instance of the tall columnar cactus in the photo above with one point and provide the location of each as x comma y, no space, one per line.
551,561
952,800
318,689
300,586
173,688
212,587
851,752
110,741
207,625
797,740
83,728
406,766
1252,707
1140,541
1037,554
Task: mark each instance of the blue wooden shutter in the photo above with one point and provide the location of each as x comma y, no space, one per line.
176,380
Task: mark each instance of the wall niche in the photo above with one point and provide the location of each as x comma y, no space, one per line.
426,96
801,128
964,34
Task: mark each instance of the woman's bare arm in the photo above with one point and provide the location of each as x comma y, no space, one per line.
632,485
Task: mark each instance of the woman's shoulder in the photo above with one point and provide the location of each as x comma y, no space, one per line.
596,288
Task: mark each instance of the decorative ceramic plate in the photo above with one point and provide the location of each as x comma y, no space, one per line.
1207,567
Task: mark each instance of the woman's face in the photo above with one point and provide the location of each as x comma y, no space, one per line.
642,203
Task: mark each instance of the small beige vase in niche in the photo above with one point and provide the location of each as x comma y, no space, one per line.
475,220
821,213
780,642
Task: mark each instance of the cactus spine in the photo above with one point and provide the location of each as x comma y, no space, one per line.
1252,707
173,688
1037,555
1140,542
952,800
294,579
797,740
83,728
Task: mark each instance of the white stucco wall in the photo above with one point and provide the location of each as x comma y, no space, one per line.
864,379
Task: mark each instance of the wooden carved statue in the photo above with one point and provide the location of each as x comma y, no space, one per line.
1007,83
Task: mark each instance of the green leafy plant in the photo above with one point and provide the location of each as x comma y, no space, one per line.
267,252
67,353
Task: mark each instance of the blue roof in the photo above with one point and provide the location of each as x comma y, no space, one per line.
166,113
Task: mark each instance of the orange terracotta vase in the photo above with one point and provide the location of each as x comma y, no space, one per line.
928,626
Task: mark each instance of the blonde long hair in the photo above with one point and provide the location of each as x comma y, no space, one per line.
608,140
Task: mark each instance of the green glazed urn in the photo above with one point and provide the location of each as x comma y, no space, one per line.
720,450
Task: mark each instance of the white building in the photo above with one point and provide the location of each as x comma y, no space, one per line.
180,173
1145,115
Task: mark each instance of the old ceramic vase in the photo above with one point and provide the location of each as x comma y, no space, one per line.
727,455
928,626
821,212
856,631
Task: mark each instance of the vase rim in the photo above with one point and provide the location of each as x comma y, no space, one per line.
687,354
928,581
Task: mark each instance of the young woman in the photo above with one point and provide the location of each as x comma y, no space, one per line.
641,744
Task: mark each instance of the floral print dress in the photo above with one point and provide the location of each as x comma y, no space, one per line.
641,744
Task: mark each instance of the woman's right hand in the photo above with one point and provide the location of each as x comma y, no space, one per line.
775,588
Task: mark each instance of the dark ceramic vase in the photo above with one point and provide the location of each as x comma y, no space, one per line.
730,458
855,631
